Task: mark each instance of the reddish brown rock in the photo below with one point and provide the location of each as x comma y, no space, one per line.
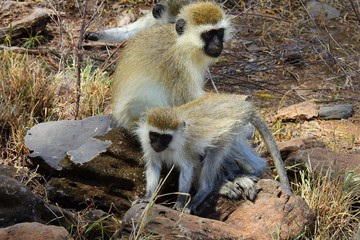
274,215
321,159
167,223
300,111
34,231
296,144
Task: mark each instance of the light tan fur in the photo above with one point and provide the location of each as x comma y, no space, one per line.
160,68
201,13
210,127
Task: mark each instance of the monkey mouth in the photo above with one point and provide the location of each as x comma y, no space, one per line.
157,147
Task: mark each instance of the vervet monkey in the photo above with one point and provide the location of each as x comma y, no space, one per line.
166,65
208,127
164,12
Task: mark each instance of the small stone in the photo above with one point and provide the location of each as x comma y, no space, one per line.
301,111
316,9
336,112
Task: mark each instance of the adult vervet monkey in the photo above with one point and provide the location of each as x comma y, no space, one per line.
211,127
166,65
164,12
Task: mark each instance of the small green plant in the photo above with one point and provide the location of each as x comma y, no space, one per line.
101,228
33,41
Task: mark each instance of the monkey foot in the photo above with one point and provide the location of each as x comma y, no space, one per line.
242,186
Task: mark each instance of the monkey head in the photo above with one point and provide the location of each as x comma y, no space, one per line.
162,130
204,25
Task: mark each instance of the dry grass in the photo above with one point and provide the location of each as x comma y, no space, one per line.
31,93
26,97
335,201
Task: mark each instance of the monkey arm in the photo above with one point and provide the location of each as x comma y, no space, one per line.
185,183
152,173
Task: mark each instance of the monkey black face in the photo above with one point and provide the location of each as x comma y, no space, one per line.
213,40
159,142
158,10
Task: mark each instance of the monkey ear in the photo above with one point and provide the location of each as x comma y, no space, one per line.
157,10
180,26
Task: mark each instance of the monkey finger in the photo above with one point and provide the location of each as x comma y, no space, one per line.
140,200
92,36
231,190
248,186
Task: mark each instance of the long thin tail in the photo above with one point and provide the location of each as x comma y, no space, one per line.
269,140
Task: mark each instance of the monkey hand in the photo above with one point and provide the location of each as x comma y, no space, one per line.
140,200
243,186
181,208
92,36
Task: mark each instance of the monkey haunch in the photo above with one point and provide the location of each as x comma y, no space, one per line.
211,127
166,65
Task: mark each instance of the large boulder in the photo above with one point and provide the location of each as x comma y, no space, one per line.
273,215
18,204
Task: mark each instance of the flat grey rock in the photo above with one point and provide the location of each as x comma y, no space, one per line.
336,112
51,141
316,9
89,150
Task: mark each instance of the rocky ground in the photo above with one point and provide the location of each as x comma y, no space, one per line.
291,59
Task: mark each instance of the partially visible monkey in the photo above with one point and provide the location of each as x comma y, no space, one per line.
209,127
164,12
166,65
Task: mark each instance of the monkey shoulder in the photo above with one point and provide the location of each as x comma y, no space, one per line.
156,36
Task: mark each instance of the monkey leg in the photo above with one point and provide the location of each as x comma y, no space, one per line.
209,176
241,167
247,160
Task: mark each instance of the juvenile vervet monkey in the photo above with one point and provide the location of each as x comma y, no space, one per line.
208,127
164,12
166,65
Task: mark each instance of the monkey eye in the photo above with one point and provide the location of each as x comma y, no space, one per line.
166,138
215,32
207,35
154,136
220,33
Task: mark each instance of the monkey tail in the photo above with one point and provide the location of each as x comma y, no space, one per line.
269,140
